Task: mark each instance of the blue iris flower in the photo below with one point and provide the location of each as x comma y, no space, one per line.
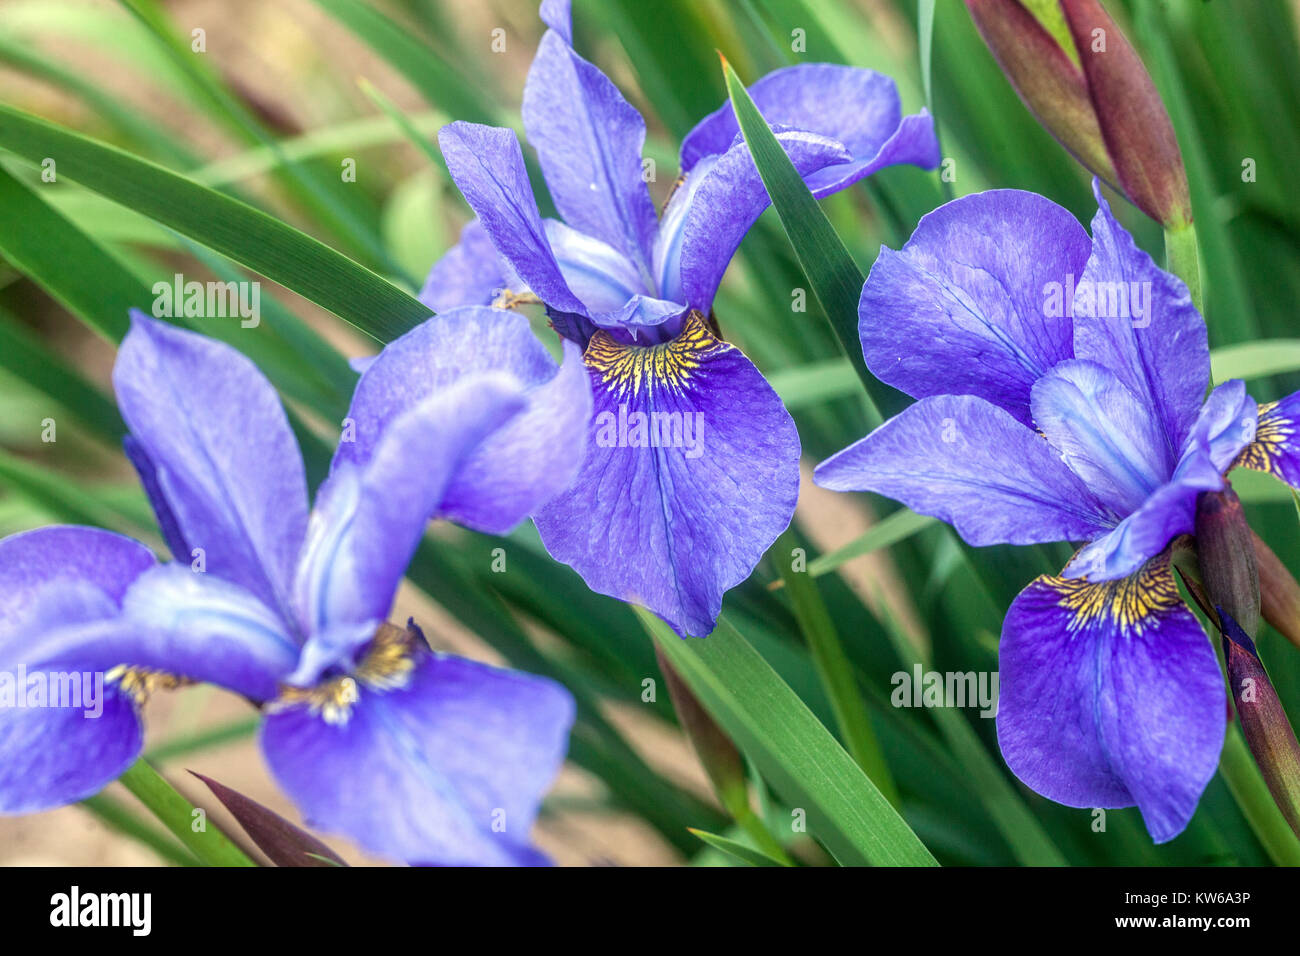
692,468
1061,384
416,755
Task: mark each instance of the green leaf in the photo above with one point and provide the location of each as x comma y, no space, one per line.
111,813
209,844
307,184
835,671
80,274
440,83
738,851
899,526
1255,359
804,764
26,357
925,33
236,230
815,383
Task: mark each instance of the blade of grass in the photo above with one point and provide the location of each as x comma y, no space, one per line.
238,231
836,674
796,754
26,357
899,526
1255,359
738,851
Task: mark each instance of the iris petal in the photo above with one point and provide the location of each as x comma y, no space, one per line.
52,756
1143,327
969,463
488,168
588,139
692,473
370,515
223,454
515,470
469,273
448,768
725,199
1224,426
57,579
982,283
858,108
1276,446
1103,433
1111,696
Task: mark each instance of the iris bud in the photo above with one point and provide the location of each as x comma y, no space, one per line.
1279,593
1225,546
1263,721
1086,84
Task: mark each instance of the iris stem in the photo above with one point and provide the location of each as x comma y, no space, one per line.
1251,793
836,672
1182,255
205,841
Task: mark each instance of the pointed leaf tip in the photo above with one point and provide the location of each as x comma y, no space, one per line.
282,842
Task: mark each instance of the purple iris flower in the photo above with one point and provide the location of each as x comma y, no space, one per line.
692,470
1061,385
416,755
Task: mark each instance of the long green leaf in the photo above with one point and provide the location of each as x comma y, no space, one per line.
236,230
737,851
1255,359
208,843
836,673
899,526
791,748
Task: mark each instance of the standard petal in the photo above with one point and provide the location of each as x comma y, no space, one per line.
1103,433
448,769
469,273
52,756
1276,446
690,476
859,108
530,459
976,301
588,139
1111,696
557,14
1138,320
172,534
1224,426
488,168
369,516
969,463
224,458
1228,422
721,199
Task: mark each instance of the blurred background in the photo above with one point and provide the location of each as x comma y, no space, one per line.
269,102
